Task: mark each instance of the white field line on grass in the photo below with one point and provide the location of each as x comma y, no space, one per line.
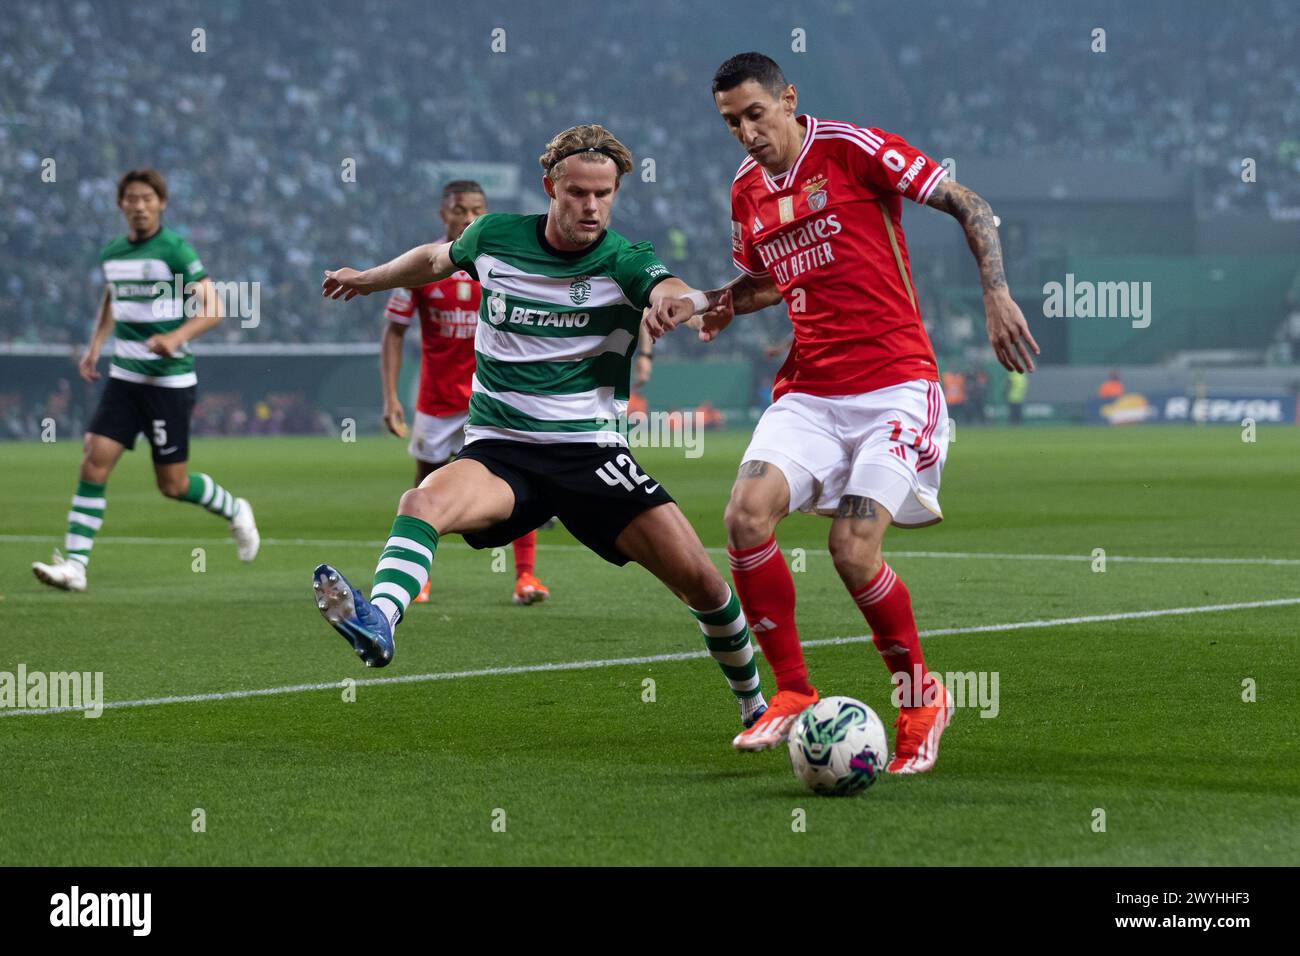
821,552
649,659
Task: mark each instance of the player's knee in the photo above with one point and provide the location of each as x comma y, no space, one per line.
92,469
174,487
854,555
423,503
704,588
747,526
94,472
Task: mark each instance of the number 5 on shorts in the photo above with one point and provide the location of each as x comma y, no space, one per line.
159,432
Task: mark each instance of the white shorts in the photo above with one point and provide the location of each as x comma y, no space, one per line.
435,438
888,445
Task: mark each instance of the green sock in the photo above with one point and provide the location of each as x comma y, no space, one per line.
727,636
403,566
84,521
206,492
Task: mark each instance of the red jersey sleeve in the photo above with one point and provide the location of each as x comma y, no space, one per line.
743,254
890,164
401,306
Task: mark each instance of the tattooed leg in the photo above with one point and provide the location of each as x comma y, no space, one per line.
857,531
760,498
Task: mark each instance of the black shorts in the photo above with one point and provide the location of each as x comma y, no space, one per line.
594,490
128,408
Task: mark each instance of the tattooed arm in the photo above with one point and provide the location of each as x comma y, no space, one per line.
1007,329
749,293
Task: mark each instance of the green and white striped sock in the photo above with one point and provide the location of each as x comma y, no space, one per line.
403,566
727,636
206,492
84,521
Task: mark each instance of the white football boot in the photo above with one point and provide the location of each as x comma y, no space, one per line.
244,528
63,573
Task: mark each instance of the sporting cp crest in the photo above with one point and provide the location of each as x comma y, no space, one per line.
580,290
815,187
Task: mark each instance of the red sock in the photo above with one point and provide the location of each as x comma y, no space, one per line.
524,549
766,592
887,606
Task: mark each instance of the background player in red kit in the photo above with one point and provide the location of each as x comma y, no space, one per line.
448,312
858,428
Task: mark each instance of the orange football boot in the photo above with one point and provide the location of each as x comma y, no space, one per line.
916,739
529,590
771,729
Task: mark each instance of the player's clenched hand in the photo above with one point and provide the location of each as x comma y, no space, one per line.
717,318
1009,332
395,419
164,345
343,284
666,314
86,367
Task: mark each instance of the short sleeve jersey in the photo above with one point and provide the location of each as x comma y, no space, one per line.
148,280
829,232
556,330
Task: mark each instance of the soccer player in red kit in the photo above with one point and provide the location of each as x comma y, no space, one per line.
448,311
858,428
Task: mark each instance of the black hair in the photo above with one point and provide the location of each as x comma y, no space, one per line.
461,186
750,66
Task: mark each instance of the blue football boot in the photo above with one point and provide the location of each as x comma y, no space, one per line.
753,718
349,613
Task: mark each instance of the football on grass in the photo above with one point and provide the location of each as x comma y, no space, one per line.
838,747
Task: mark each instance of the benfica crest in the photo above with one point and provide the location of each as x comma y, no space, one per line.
815,189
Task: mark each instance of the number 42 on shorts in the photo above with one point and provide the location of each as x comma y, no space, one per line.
611,474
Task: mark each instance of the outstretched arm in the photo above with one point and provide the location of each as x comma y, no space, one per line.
673,302
416,267
1008,332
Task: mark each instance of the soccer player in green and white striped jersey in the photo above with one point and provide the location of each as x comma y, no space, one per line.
563,300
151,384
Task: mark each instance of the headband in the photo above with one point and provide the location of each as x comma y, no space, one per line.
586,149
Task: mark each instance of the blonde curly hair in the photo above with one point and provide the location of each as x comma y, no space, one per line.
591,143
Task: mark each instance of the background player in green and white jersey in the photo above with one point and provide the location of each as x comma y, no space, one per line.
151,384
563,299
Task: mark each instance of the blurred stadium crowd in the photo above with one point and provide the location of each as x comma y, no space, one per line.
251,133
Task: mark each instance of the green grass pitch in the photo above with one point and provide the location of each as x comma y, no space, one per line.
1142,717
